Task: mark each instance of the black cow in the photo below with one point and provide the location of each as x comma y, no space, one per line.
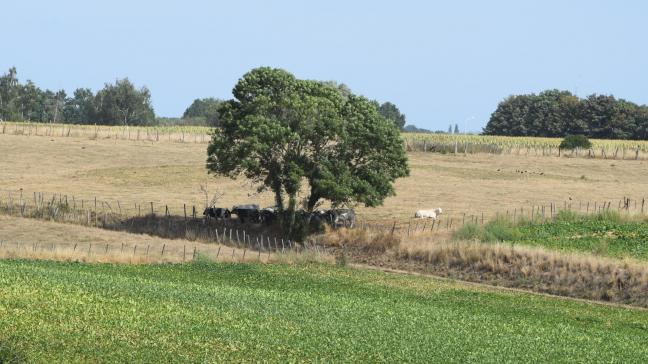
249,212
268,215
317,219
217,213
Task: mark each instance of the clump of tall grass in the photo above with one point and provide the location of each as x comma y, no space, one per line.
498,230
611,216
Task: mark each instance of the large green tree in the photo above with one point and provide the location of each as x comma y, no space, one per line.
122,104
307,143
555,113
9,90
79,108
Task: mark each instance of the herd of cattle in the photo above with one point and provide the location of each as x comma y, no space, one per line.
335,218
252,213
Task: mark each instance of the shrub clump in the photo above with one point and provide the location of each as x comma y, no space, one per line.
575,141
498,230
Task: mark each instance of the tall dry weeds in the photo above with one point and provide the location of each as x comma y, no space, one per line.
360,239
537,269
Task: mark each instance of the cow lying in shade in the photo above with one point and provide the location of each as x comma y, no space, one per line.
428,214
247,213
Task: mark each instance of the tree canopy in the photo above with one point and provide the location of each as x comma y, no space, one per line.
116,104
555,113
306,142
123,104
387,110
205,109
390,112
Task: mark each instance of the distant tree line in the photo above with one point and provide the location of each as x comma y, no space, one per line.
115,104
205,111
555,113
122,103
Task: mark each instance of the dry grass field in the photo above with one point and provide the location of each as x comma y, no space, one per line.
172,173
37,239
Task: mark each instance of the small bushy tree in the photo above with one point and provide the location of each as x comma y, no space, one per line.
575,141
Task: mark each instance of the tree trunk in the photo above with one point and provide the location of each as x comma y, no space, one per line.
292,203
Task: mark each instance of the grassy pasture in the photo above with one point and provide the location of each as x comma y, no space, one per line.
205,312
171,173
607,234
599,235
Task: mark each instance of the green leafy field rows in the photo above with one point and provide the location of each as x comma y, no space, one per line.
206,312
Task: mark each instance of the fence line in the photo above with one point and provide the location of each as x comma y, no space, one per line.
533,213
465,148
103,214
100,214
182,134
146,253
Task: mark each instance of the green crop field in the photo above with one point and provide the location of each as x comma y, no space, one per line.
207,312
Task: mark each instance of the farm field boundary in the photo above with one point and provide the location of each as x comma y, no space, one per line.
457,144
187,134
133,253
490,286
94,211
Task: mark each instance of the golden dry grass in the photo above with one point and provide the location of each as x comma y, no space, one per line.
171,173
366,240
38,239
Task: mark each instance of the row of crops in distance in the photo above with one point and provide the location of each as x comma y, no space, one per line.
440,143
467,143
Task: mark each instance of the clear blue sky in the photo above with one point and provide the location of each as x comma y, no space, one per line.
440,62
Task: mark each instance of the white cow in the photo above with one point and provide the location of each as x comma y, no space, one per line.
429,214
